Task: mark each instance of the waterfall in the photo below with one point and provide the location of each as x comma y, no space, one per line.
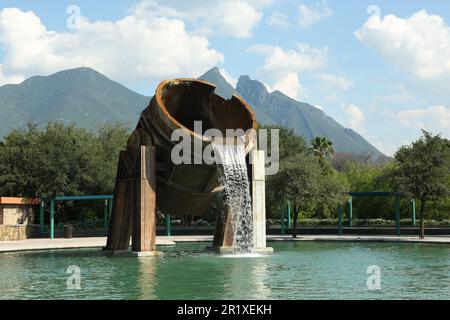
232,166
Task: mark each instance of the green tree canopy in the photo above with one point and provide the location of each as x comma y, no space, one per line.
322,148
422,171
301,180
60,160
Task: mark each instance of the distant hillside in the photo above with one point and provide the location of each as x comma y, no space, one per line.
79,95
305,119
88,98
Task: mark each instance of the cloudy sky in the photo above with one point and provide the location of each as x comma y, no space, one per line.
379,67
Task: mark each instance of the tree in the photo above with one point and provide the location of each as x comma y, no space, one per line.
332,193
289,142
60,160
111,138
322,148
289,145
302,180
368,177
297,181
422,171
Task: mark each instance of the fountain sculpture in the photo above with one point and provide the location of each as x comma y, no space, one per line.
148,179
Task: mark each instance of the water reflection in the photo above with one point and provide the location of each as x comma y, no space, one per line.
147,282
260,279
247,278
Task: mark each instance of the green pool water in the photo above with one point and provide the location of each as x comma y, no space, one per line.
300,270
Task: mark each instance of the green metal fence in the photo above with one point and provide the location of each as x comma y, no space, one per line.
108,200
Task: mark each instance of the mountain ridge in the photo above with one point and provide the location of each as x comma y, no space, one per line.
88,98
276,108
80,95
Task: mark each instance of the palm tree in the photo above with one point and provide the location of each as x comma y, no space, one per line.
322,148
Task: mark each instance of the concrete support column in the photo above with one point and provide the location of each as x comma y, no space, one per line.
259,201
144,222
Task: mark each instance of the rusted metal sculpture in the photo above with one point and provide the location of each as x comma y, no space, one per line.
146,176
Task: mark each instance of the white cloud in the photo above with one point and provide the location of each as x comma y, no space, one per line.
282,66
234,18
418,45
356,117
228,77
279,20
289,85
131,49
303,58
435,119
338,82
401,95
309,15
9,79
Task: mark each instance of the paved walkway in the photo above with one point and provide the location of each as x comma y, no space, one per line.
60,243
77,243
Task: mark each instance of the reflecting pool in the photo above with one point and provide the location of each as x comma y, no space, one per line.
296,270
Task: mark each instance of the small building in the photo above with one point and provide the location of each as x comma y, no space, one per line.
16,218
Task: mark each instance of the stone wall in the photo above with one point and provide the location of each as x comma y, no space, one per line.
18,232
17,214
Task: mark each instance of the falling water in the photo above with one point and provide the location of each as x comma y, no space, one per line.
233,176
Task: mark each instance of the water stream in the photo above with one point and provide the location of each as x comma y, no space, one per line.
230,159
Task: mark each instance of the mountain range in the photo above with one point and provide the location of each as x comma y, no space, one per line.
279,109
88,98
82,95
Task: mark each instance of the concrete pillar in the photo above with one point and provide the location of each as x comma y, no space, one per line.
144,222
259,201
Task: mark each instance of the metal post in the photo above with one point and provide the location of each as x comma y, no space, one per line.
41,216
340,219
413,211
397,214
289,214
350,212
110,205
167,218
52,219
105,214
282,223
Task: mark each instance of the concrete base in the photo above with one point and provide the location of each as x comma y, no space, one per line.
146,254
128,253
263,250
226,250
230,250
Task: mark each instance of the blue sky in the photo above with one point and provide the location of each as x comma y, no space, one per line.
379,67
